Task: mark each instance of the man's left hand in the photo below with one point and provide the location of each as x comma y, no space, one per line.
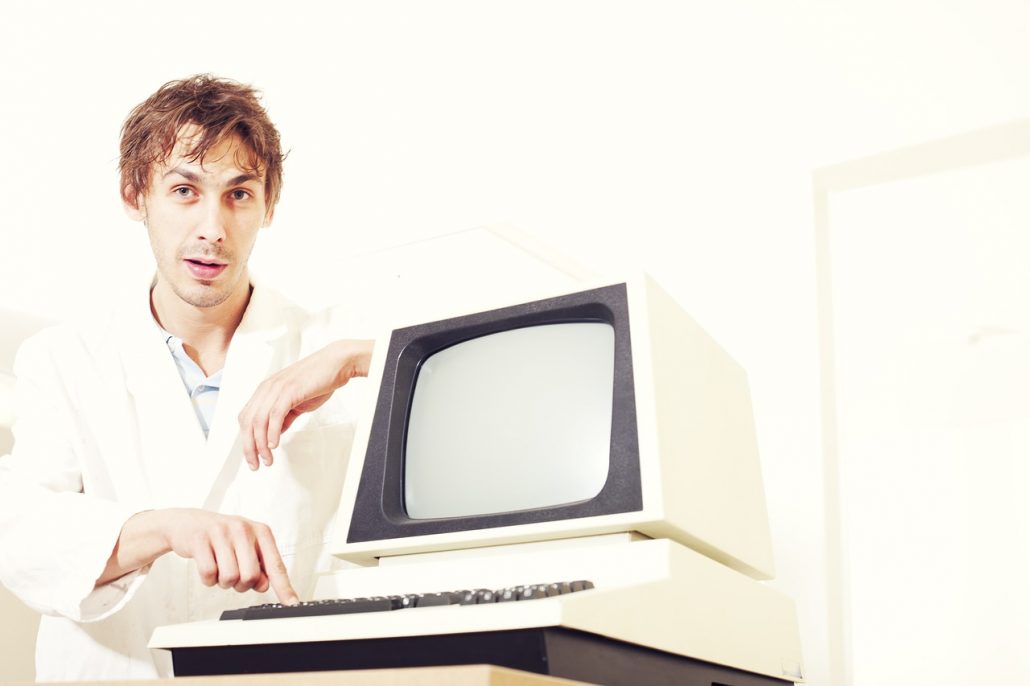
302,387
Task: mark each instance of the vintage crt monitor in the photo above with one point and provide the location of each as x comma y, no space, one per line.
598,435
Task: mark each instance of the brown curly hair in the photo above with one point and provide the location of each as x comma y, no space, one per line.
220,108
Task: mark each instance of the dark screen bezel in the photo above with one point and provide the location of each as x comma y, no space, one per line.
379,503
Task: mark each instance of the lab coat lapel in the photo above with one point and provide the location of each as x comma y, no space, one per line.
166,439
254,353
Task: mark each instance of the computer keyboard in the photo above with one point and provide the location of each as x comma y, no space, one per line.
345,606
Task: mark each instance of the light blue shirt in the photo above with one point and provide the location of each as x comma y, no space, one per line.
203,390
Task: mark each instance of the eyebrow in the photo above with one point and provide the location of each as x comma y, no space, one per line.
193,177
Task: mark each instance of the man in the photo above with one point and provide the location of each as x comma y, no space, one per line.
116,464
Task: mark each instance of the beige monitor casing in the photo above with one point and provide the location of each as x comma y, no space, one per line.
700,475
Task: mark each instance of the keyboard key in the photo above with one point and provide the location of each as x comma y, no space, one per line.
532,592
402,602
467,597
436,599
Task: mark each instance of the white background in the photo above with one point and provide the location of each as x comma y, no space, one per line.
680,137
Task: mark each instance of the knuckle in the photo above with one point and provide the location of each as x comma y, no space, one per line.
208,573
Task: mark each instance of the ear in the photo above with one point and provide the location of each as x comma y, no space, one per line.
133,207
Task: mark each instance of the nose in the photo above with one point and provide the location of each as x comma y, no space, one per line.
213,221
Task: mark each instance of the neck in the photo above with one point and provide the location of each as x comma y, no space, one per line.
206,331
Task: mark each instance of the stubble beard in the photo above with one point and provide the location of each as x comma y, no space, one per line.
201,295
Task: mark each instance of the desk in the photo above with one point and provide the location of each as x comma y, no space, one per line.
467,675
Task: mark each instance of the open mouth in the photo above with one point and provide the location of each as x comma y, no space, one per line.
204,270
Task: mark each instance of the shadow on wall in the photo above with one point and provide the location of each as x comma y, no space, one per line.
19,624
17,639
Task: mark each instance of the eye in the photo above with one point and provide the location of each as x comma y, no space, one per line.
240,194
183,191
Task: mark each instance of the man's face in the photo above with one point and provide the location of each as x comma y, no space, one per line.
203,218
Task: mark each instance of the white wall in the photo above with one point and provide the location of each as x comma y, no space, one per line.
676,136
933,406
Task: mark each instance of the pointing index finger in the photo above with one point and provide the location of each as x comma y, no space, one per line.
275,569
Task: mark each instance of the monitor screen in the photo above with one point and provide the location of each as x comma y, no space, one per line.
511,421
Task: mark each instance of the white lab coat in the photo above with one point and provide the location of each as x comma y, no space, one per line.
105,429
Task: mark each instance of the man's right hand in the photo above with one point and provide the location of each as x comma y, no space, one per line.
230,551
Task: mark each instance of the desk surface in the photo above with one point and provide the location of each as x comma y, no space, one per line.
465,675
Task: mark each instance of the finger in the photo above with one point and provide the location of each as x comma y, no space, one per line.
260,438
204,559
262,583
254,422
277,423
245,543
247,438
273,565
259,430
225,558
